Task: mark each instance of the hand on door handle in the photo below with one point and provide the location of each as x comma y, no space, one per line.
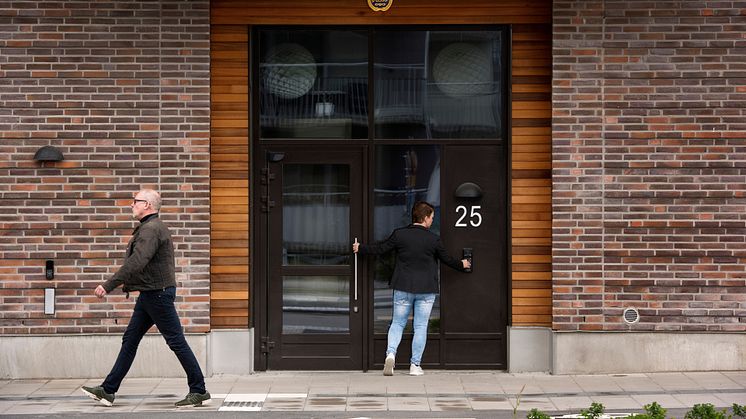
467,255
355,246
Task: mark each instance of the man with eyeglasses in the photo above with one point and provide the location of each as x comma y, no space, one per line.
149,268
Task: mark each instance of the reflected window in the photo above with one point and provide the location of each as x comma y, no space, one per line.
439,84
405,174
313,84
316,214
315,304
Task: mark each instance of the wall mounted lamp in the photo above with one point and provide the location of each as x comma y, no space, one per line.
48,153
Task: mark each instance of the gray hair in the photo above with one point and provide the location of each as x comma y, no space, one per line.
153,198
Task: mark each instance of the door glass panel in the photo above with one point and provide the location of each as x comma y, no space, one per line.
439,84
315,214
313,84
315,304
404,174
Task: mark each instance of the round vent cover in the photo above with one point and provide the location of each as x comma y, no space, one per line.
631,315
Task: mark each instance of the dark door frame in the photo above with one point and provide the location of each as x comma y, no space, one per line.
257,281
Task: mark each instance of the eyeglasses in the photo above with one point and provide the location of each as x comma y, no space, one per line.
135,201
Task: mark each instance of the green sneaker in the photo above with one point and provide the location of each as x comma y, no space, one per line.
97,393
194,399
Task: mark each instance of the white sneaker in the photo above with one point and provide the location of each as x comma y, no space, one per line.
415,370
388,365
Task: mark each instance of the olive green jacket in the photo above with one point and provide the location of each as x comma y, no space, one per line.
149,263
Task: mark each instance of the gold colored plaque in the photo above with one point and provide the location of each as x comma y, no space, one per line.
380,5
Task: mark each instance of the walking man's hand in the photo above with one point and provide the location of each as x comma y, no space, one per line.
100,291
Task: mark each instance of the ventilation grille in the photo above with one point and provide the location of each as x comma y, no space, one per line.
631,315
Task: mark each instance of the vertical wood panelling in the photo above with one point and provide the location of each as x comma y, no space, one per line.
530,124
229,184
531,164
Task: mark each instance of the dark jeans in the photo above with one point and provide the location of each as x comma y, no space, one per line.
155,307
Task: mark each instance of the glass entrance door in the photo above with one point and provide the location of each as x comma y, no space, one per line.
313,208
351,126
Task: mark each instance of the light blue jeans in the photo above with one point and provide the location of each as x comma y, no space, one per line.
403,302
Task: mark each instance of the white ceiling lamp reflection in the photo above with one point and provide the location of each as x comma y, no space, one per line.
291,70
462,69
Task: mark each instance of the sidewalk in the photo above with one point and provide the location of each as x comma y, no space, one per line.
454,391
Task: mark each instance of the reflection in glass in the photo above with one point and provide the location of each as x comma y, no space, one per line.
314,84
315,304
439,84
316,214
404,175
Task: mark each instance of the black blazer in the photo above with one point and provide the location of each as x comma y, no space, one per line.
417,251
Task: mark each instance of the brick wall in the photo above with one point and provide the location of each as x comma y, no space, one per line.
122,88
649,165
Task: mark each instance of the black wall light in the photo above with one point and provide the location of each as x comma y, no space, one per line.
48,153
468,190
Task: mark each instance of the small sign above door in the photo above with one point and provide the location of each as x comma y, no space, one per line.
380,5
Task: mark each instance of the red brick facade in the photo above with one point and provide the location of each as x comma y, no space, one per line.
649,165
122,88
649,159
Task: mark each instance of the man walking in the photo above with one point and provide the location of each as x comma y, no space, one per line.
415,280
149,268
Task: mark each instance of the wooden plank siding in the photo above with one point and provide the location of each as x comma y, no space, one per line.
229,176
531,65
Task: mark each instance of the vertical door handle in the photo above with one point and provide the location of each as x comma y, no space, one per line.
356,272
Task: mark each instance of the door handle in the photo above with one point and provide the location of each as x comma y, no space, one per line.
356,272
468,254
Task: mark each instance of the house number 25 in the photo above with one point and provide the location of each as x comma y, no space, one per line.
475,218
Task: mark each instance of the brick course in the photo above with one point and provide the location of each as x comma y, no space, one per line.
122,88
649,165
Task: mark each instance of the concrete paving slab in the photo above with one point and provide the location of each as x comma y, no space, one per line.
156,404
573,403
490,402
121,405
447,404
406,388
636,383
73,405
367,404
595,383
284,404
690,399
617,402
558,384
732,397
22,387
738,376
327,389
526,403
29,407
408,404
666,401
356,389
326,404
674,381
713,380
65,387
5,405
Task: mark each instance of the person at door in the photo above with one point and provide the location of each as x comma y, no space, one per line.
414,281
149,268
